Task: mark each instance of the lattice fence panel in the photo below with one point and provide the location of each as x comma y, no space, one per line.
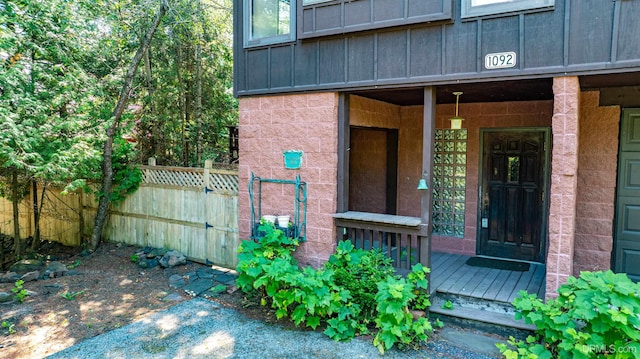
173,176
224,181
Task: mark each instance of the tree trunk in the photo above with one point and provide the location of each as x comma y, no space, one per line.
36,214
107,161
199,93
17,241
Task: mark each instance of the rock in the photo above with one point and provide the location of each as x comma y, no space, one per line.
156,252
147,263
417,314
52,288
173,297
55,270
172,258
26,265
198,287
176,281
232,289
30,276
205,273
5,297
9,277
85,253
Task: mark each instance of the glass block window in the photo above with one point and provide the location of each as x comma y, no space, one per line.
449,181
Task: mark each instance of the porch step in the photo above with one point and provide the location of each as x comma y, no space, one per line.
481,314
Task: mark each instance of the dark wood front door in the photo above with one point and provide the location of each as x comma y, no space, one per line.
627,230
512,208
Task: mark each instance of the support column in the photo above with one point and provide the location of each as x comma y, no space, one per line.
426,203
564,179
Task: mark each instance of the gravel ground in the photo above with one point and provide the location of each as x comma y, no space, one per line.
200,328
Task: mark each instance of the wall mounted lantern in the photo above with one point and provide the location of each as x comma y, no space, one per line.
422,184
456,122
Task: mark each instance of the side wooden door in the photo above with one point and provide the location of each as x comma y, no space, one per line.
627,227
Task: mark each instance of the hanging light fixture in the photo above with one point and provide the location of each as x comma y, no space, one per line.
456,122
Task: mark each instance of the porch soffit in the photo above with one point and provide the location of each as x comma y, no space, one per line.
615,88
522,90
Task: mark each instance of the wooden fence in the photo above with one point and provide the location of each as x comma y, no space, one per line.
192,210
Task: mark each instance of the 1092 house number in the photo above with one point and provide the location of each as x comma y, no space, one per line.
500,60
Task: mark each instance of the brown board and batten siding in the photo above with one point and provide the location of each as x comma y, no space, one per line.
430,44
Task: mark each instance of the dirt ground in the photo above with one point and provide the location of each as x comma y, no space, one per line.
112,292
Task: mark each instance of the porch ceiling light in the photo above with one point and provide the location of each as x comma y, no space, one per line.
456,122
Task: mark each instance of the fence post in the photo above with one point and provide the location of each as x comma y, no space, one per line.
151,162
208,165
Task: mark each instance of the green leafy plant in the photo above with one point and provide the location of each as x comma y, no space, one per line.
19,291
71,296
594,316
335,294
74,264
135,258
359,271
218,289
447,305
395,322
9,328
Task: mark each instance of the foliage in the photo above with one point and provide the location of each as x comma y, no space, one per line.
9,328
135,258
395,321
359,271
325,296
71,295
447,305
19,291
187,99
594,316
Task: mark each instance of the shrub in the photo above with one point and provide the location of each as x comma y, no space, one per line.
395,297
334,295
359,271
594,316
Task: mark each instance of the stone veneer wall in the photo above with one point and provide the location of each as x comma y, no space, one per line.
597,168
564,180
268,126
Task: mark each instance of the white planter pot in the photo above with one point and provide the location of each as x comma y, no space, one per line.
269,219
283,221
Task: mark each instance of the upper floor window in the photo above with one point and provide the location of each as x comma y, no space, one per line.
471,8
268,22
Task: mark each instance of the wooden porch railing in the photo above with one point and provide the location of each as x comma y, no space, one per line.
404,239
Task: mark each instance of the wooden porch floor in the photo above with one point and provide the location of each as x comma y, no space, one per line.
450,275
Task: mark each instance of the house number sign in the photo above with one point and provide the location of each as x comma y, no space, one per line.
500,60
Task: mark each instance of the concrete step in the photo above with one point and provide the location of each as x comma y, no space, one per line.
484,315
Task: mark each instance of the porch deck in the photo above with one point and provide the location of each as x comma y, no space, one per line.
452,276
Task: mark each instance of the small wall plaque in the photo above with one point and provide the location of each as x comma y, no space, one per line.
292,159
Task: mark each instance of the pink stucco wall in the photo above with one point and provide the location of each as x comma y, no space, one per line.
270,125
597,167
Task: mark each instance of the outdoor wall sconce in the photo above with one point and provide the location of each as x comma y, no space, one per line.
422,184
456,122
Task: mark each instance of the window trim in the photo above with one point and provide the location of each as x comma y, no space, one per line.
468,10
313,2
269,40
